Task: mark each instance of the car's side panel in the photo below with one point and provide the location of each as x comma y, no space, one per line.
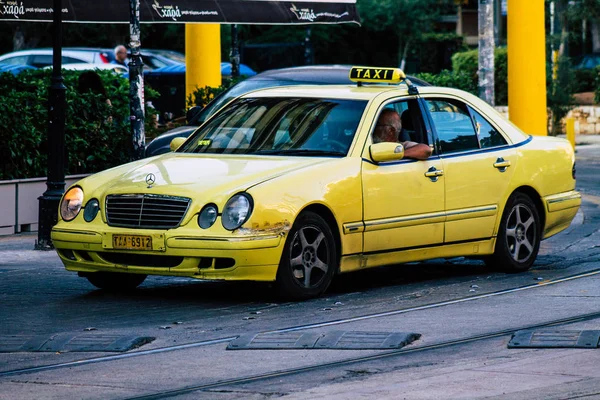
475,192
546,166
335,185
479,247
402,207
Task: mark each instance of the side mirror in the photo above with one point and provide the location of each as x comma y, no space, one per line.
175,143
192,113
386,151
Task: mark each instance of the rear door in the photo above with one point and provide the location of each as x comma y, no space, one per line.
478,165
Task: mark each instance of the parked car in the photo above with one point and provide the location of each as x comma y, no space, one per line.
312,74
14,69
40,58
87,66
152,58
288,185
169,81
587,61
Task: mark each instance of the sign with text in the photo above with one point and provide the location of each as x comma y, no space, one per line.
186,11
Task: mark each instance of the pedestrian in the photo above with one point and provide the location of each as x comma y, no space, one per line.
120,56
91,82
95,128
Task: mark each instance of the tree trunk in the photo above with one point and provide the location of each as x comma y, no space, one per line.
563,49
18,39
595,28
403,53
486,51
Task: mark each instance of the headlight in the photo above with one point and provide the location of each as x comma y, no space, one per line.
71,203
207,216
91,210
237,211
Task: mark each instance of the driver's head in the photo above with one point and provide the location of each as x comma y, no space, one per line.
388,126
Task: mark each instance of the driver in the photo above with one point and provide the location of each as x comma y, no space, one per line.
387,129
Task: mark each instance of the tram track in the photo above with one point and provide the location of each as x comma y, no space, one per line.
109,358
355,360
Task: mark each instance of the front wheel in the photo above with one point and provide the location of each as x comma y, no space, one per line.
519,236
309,258
115,282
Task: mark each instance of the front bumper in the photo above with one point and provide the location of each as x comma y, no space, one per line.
173,253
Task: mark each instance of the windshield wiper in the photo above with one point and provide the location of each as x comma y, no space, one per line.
301,152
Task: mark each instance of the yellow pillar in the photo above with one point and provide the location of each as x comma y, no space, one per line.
527,66
202,56
570,122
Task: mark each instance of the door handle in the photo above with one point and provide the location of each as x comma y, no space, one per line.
501,164
433,173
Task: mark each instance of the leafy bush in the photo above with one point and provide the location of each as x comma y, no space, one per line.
97,136
559,94
452,79
584,80
467,63
202,96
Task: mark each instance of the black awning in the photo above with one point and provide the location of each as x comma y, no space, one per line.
185,11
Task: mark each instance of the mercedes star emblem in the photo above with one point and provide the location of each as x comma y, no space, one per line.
150,179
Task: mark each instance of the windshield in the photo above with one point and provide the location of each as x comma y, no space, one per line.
280,126
238,90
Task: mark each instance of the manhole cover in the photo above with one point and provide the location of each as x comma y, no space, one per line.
65,342
556,339
339,340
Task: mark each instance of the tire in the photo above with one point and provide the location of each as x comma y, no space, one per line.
519,236
114,281
309,259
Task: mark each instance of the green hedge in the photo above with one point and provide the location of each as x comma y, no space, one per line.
97,136
467,62
457,80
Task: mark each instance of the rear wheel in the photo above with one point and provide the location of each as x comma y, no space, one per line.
116,282
519,236
309,258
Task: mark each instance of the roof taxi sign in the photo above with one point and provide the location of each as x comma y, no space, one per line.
380,75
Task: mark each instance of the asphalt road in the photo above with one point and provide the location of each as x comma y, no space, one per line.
464,313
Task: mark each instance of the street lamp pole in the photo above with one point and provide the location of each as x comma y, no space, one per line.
136,82
55,181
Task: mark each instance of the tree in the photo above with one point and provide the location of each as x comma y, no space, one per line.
587,11
407,19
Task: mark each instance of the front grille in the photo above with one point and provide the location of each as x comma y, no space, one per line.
146,211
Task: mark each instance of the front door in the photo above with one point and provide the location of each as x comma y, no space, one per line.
403,208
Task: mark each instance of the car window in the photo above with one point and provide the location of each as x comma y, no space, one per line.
44,60
453,125
237,90
153,62
280,126
19,60
411,119
487,134
41,60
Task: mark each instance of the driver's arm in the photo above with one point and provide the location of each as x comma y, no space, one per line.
418,151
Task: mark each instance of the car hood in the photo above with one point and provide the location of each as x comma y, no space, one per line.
205,177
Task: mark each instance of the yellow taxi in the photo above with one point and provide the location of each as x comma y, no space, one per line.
294,185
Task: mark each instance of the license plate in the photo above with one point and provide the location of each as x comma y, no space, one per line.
132,242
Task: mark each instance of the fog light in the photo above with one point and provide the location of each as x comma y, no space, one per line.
91,210
207,216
